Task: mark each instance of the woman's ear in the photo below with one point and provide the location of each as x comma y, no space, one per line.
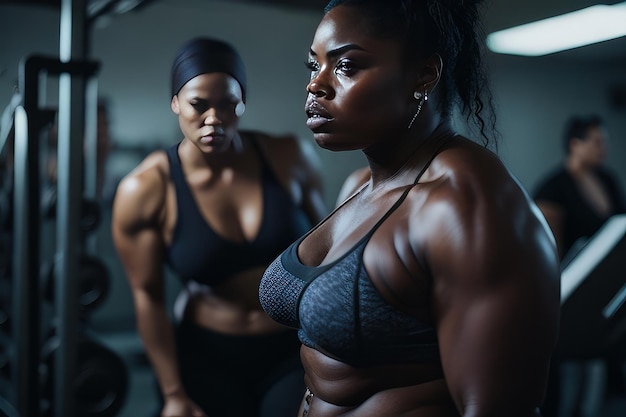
175,105
429,73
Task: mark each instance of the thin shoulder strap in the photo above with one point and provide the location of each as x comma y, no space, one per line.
176,170
405,193
183,192
329,215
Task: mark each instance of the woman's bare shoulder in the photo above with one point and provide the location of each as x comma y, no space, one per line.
290,153
141,193
473,199
467,170
283,144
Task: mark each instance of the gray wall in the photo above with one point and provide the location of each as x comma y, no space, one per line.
534,96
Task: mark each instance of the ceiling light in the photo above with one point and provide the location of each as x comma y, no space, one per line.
571,30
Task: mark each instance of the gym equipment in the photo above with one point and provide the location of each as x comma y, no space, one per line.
93,282
100,382
90,211
77,97
6,210
593,295
5,255
76,149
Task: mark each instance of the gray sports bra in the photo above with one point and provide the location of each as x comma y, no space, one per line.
339,312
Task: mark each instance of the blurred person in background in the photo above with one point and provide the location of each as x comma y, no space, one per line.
577,198
216,208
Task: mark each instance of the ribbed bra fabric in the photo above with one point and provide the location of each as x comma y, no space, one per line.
199,254
338,311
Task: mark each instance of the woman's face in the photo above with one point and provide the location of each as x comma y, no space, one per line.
208,112
592,149
359,92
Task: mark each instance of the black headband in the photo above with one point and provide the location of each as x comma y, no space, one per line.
203,56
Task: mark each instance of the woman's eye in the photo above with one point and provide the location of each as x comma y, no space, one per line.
345,67
199,106
312,65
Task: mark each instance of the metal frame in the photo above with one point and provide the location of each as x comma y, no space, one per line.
77,79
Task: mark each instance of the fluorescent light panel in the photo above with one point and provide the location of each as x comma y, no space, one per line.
571,30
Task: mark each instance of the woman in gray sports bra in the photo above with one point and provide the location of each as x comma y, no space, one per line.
432,290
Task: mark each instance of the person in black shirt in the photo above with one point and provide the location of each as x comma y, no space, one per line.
577,198
581,194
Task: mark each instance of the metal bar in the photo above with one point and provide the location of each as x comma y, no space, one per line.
91,153
615,304
25,266
69,197
29,120
91,139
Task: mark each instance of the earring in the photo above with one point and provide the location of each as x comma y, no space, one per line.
240,108
422,98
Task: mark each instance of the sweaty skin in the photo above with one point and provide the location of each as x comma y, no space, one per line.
467,251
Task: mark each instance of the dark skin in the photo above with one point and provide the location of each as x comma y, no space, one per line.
466,252
223,171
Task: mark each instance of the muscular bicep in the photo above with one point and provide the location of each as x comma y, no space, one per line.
496,305
310,178
137,239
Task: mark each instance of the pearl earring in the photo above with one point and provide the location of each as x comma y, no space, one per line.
240,108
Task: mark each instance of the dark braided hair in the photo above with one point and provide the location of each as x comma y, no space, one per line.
450,28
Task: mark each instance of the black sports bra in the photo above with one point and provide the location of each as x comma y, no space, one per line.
198,253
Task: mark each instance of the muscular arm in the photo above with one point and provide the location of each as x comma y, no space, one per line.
496,292
307,173
137,238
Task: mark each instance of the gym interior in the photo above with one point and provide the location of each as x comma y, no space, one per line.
83,86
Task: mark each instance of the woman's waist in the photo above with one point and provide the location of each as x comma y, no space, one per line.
426,400
345,385
225,313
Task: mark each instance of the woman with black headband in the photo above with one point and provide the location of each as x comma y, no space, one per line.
217,207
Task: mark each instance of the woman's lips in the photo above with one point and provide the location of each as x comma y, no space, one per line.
315,122
210,137
317,115
207,139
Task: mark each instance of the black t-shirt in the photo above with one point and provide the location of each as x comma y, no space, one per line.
581,220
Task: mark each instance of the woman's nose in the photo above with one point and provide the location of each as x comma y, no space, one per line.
211,117
318,87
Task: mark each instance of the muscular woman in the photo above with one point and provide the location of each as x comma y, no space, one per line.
432,290
216,207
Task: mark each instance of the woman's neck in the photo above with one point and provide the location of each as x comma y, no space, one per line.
386,166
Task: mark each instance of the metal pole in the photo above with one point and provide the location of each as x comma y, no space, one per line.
26,308
69,197
91,153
